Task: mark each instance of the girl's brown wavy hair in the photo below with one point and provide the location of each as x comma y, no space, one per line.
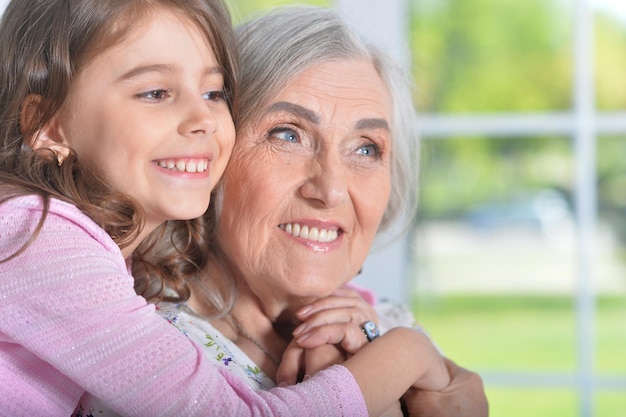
44,44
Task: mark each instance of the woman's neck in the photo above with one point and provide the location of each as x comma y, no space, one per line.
257,330
260,325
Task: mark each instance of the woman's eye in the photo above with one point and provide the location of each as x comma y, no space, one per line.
284,134
217,95
155,95
369,150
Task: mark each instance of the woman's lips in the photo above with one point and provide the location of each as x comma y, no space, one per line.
315,234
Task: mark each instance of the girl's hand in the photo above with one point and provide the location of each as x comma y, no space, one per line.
330,332
298,363
336,319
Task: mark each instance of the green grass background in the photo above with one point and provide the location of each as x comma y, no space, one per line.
528,334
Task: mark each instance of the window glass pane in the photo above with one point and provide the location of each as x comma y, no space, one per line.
610,51
241,9
494,252
502,333
610,271
520,402
611,328
610,404
492,55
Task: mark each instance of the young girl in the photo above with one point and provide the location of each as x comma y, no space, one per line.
115,121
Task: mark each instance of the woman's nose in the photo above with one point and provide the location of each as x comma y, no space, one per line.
198,119
327,183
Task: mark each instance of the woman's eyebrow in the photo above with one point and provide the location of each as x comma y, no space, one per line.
363,124
372,124
295,109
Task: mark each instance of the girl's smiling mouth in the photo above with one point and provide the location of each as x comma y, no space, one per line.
191,165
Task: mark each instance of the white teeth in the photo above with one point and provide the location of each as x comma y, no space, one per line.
313,233
183,165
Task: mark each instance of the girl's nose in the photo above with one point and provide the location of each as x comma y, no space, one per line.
198,119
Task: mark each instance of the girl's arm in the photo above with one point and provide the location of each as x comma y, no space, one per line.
416,364
386,368
72,321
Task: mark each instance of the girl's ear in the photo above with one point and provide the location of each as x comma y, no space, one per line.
41,137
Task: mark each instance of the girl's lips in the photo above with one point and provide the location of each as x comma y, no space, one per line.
190,165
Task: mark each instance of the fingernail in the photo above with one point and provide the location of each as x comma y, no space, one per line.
283,384
303,338
306,377
304,311
299,330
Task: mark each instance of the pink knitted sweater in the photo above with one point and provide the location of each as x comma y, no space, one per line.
70,321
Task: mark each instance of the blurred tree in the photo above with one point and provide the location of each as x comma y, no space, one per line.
490,56
610,49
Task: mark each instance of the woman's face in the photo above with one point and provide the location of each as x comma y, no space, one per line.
309,182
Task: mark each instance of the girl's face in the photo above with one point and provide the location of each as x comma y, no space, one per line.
148,115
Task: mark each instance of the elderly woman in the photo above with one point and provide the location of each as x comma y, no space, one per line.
322,163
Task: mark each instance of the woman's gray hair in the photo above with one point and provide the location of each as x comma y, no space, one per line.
276,47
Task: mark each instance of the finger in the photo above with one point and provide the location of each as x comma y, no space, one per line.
291,366
346,292
348,335
338,299
322,357
356,315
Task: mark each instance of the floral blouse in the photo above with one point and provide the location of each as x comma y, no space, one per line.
219,349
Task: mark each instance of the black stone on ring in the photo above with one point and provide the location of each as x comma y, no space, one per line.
370,330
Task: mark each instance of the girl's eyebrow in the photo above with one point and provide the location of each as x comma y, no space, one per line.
160,68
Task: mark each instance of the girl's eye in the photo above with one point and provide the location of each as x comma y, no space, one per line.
370,150
284,134
215,95
155,95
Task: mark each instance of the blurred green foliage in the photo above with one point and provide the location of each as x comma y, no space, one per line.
526,334
244,9
610,50
508,55
492,56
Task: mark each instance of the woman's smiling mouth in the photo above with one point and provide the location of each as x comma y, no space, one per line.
311,233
